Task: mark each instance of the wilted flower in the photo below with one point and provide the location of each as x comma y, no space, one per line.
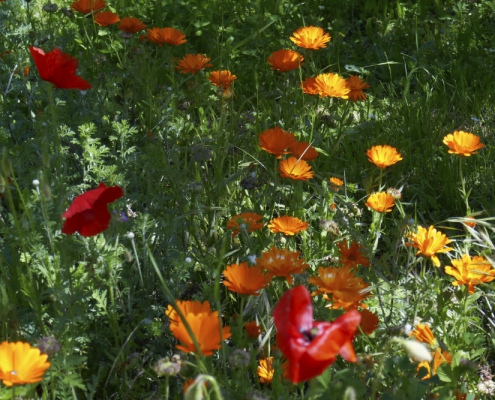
463,143
276,141
369,322
298,170
356,86
285,60
265,370
332,85
381,202
282,262
383,156
429,242
192,63
471,271
164,367
310,37
287,225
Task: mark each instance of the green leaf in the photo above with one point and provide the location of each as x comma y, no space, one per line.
445,373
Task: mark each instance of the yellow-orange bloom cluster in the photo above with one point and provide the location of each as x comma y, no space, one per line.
287,225
310,37
423,333
265,370
463,143
282,262
243,279
335,183
20,363
383,156
381,202
245,221
170,36
429,242
204,325
285,60
347,290
439,357
295,169
352,256
332,85
471,271
192,63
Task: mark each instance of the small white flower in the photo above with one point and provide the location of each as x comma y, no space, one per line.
130,235
188,260
36,182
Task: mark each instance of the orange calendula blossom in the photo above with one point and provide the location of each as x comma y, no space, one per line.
308,86
265,370
21,364
347,290
303,151
245,221
106,18
332,85
423,333
352,256
383,156
285,60
287,225
282,262
276,141
310,37
298,170
470,271
131,25
253,330
88,6
170,36
463,143
204,325
381,202
335,183
429,242
243,279
222,79
439,357
356,86
192,63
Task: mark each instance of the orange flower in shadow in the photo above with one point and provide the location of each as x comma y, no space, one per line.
308,86
356,86
383,156
276,141
21,364
253,330
106,18
298,170
170,36
192,63
131,25
287,225
470,271
222,79
332,85
369,322
303,151
429,242
463,143
87,6
285,60
381,202
243,279
352,256
310,37
247,221
282,262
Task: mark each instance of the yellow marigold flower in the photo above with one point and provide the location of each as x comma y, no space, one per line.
429,242
471,271
332,85
222,79
303,151
243,279
285,60
248,221
439,358
308,86
298,170
106,18
463,143
347,290
310,37
265,370
352,256
276,141
131,25
279,262
381,202
170,36
87,6
336,183
356,86
383,156
287,225
192,63
204,324
20,363
369,321
423,333
253,330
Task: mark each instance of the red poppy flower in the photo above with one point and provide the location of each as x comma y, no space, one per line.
58,68
309,346
88,214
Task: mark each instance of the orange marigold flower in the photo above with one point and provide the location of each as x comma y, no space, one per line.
352,256
243,279
356,85
131,25
20,363
469,223
369,321
383,156
381,202
347,290
287,225
463,143
303,151
429,242
253,330
248,221
265,370
106,18
308,86
332,85
192,63
310,37
298,170
223,78
276,141
423,333
335,183
439,358
170,36
285,60
87,6
471,271
282,262
204,325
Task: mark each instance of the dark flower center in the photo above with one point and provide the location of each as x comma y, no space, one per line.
310,334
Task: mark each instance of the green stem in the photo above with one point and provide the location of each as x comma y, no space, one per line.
49,90
465,195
